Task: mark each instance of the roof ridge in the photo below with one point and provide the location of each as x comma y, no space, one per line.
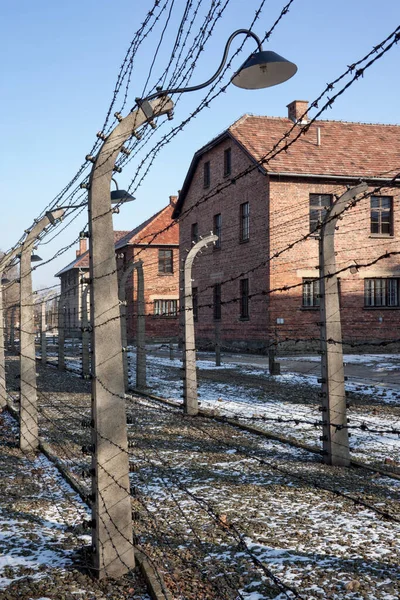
317,121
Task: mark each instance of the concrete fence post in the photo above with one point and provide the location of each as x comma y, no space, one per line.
3,391
85,330
140,325
61,334
217,344
190,398
43,329
29,431
12,328
112,535
140,331
335,436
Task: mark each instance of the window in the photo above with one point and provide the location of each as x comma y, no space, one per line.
166,308
381,292
244,222
195,300
194,233
206,174
319,206
382,215
227,162
165,264
310,293
217,301
217,229
244,298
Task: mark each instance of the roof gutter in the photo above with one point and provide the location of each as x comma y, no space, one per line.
334,177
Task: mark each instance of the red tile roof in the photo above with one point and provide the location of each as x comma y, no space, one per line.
347,149
352,150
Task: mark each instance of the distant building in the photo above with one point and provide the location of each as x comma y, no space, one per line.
259,283
156,243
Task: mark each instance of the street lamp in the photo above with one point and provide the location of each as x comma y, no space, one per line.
120,196
111,502
261,70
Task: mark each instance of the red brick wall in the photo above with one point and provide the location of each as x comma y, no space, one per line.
353,242
289,221
221,266
161,233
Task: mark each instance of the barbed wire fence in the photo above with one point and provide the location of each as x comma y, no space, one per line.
69,421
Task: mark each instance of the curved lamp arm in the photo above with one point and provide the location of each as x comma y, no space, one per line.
209,81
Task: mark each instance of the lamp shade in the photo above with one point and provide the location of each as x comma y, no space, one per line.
4,281
36,258
263,69
120,196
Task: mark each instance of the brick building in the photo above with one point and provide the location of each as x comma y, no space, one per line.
73,285
264,199
156,243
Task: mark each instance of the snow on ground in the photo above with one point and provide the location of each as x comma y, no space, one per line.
264,409
251,402
311,539
35,531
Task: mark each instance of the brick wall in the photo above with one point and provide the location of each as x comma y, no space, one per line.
279,216
214,266
353,242
158,286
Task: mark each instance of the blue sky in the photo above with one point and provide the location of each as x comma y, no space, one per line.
60,63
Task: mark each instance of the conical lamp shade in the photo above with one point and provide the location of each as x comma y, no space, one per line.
121,196
263,69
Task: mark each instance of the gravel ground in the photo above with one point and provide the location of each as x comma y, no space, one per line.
44,545
226,515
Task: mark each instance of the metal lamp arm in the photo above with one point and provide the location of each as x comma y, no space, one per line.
209,81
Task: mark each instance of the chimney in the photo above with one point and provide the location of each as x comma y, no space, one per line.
173,200
296,110
82,247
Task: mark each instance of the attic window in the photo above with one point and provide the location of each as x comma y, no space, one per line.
206,174
227,162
